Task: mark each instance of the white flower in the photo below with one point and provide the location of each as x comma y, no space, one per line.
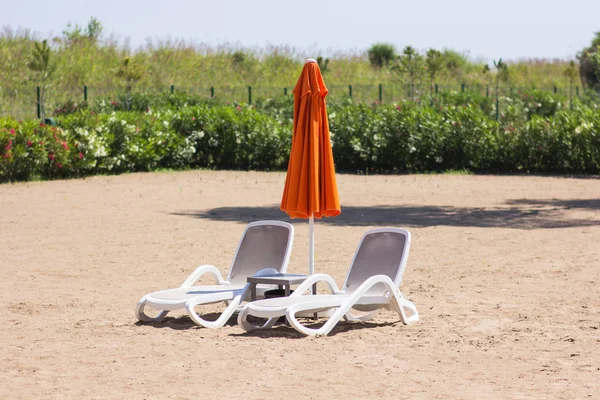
100,152
166,124
439,159
412,149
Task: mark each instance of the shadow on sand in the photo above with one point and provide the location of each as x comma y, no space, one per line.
520,214
184,322
285,331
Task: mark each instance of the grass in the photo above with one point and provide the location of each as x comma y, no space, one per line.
458,172
228,69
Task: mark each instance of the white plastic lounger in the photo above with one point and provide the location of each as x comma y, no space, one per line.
371,284
264,248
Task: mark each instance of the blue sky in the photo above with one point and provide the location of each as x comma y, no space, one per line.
511,29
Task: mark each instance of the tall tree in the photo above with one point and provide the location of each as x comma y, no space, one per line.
435,64
571,75
410,66
589,64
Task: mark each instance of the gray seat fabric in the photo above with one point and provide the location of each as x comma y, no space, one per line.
261,247
380,253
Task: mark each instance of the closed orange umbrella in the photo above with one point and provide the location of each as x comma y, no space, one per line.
310,186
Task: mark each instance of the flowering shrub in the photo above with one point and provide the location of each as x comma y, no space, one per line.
405,137
542,103
33,150
69,107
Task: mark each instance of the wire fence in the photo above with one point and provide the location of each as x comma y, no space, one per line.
25,103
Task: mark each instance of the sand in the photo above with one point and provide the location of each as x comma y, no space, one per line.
504,272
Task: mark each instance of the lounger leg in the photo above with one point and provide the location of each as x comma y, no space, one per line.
219,322
324,330
399,303
247,326
141,315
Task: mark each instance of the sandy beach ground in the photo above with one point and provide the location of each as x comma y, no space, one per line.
505,272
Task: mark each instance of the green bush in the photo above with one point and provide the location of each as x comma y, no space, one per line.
542,103
406,137
454,99
381,54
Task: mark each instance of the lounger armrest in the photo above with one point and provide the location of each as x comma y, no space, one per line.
311,280
201,270
372,281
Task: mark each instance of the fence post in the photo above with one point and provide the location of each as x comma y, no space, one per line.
249,95
577,90
555,89
380,93
571,98
85,93
350,90
487,91
436,88
462,87
497,109
212,91
39,106
172,89
285,91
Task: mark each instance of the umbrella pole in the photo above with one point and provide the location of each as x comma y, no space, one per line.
311,245
311,253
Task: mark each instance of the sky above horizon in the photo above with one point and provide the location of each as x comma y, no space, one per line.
511,29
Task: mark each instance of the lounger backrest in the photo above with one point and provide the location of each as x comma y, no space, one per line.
382,251
264,244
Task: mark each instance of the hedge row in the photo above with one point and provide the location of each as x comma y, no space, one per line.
406,137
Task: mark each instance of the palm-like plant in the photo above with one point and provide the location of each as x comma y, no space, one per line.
43,68
129,73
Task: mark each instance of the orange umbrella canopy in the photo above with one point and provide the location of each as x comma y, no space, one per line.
310,185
